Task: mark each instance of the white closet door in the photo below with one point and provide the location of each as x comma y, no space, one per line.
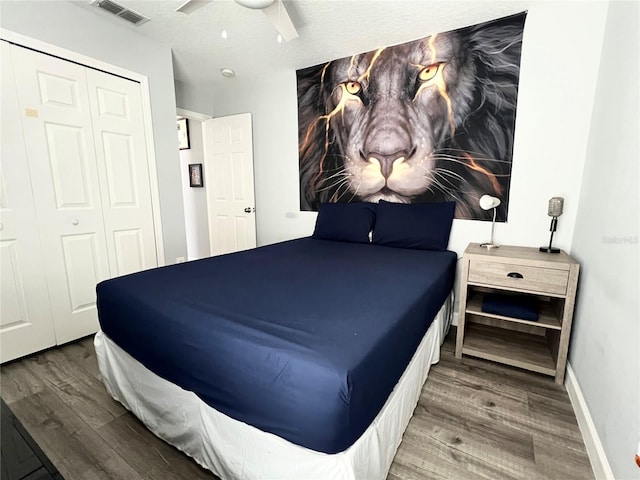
118,128
25,318
58,133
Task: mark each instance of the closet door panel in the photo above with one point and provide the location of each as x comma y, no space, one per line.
25,317
119,133
62,159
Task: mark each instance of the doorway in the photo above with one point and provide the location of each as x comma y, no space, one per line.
220,209
194,198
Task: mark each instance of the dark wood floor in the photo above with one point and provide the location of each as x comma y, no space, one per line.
475,420
20,456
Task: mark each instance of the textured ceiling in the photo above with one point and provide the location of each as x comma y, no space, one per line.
328,29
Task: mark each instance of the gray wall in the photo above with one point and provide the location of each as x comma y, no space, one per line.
82,29
606,334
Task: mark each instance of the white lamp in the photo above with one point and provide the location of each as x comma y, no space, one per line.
487,202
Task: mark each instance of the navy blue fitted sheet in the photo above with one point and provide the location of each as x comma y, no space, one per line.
305,339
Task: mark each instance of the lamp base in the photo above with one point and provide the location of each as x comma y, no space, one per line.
489,246
549,250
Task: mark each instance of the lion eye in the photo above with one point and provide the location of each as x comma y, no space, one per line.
353,88
428,72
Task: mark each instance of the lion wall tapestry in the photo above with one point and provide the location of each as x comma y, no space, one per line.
425,121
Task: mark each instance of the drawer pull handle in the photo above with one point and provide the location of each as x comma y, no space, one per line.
514,275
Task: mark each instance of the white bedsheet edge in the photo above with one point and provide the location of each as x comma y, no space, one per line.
235,450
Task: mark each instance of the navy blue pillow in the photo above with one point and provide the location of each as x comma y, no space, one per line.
345,222
517,306
424,226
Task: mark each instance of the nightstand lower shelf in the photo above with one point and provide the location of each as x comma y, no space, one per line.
519,349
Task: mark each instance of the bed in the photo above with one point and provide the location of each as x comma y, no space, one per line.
302,359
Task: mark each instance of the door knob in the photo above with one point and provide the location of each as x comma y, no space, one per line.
249,210
75,222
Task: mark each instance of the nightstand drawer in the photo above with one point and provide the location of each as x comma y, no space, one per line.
537,279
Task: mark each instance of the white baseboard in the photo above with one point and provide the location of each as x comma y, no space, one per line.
599,462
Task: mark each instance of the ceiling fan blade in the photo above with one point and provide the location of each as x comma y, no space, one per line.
281,20
191,6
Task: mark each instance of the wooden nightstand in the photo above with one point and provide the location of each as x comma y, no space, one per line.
548,280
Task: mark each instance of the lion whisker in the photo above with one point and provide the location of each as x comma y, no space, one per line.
446,190
451,189
440,154
355,193
335,185
339,173
465,164
443,174
337,195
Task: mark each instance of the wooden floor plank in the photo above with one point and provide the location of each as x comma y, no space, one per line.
54,367
72,446
18,381
142,450
83,354
569,465
88,398
475,419
468,433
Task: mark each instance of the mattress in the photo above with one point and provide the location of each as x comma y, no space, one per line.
304,339
235,450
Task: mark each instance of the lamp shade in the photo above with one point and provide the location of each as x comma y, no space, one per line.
487,202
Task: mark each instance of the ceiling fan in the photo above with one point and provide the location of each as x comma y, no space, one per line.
273,9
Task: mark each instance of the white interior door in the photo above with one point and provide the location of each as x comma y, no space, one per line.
118,128
56,121
228,170
25,317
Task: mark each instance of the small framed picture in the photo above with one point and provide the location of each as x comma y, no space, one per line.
183,133
195,175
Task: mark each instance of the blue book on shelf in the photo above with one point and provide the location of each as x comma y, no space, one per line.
516,306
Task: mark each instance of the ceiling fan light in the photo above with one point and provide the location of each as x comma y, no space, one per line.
255,4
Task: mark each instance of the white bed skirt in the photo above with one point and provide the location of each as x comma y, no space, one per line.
234,450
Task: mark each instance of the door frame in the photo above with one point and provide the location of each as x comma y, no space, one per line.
143,80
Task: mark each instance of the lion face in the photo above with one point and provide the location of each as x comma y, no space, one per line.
392,110
426,121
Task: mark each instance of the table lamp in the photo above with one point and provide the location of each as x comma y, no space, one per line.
487,202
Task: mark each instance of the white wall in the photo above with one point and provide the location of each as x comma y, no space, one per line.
195,198
554,108
606,333
194,98
83,29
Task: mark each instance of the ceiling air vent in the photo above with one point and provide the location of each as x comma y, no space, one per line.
122,12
